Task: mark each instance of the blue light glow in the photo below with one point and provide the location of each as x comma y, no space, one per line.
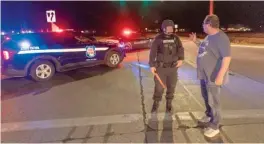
142,65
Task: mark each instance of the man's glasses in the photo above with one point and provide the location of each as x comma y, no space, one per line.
206,23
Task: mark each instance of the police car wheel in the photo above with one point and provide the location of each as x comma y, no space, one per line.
42,70
113,59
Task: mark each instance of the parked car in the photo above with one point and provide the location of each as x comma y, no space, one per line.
40,55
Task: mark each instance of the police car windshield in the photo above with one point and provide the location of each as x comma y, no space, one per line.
15,40
35,39
28,36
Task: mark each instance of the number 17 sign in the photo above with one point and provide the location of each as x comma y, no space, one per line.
51,17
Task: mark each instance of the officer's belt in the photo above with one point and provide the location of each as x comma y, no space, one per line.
166,65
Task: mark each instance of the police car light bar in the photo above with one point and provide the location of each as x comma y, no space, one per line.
127,32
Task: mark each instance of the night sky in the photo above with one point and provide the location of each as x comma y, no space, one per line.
111,15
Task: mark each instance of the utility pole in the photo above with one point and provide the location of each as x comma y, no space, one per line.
211,7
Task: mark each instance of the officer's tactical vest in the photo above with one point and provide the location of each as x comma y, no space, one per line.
168,44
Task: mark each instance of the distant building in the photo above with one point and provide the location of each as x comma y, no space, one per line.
237,28
182,30
261,28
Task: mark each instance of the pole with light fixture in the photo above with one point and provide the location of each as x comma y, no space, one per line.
211,7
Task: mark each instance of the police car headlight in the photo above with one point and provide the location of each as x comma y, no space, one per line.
24,45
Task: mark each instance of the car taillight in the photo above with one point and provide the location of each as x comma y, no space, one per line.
6,55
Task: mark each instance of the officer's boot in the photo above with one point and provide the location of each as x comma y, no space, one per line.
169,106
155,106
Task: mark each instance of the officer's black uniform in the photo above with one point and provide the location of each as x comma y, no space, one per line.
165,51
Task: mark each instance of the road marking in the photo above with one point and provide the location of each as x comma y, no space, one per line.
191,94
127,118
236,114
247,46
59,123
235,45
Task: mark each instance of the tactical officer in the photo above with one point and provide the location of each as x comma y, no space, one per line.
166,55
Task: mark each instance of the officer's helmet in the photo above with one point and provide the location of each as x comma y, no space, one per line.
167,23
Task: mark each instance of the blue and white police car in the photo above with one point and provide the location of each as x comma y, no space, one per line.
40,55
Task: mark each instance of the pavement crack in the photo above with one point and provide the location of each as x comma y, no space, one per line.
108,133
144,113
183,129
68,138
88,135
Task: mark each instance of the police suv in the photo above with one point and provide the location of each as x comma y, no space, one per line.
130,40
40,55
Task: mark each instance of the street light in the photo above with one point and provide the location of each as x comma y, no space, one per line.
122,3
211,7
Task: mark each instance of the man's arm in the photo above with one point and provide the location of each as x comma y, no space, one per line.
225,52
197,42
153,52
194,39
224,66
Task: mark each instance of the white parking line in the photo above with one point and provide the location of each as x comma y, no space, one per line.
127,118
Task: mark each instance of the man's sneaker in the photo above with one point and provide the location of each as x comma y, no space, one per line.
204,119
209,132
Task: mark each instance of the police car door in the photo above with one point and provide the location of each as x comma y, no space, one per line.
73,51
93,53
139,41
